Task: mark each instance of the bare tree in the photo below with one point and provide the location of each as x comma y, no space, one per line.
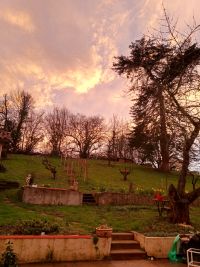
87,134
56,125
118,139
33,132
4,110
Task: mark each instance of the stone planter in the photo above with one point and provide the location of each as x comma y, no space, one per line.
157,247
100,232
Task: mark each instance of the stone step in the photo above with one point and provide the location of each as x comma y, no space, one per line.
8,184
127,254
122,236
124,244
88,199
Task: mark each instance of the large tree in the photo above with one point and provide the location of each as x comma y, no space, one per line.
164,71
144,67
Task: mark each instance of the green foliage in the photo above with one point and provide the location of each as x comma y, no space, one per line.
9,258
95,240
35,227
148,192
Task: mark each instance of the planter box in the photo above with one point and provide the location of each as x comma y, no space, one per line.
157,247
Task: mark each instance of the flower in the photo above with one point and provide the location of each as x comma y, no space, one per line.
159,197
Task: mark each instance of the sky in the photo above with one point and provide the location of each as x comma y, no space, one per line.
62,51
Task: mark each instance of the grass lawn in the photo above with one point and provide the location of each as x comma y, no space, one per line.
84,219
101,177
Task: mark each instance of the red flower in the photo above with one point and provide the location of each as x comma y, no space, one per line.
159,197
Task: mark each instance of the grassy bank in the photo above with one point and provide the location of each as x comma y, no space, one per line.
84,219
101,177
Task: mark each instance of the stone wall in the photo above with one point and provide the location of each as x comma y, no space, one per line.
51,196
107,198
30,249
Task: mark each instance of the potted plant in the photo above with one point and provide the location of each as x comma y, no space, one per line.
104,231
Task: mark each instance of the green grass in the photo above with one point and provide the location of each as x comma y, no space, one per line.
84,219
100,175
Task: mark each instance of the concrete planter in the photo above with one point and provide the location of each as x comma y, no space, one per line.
157,247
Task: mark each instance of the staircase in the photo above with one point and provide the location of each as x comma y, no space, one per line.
124,247
89,199
8,184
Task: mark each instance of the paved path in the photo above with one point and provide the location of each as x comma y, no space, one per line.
129,263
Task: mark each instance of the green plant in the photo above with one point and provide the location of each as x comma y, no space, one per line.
9,258
36,227
49,256
95,240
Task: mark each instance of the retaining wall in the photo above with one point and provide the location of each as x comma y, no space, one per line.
52,196
111,198
30,249
107,198
59,196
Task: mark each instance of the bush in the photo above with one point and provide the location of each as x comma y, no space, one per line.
35,227
9,258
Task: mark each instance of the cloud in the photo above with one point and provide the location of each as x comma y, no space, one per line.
17,18
62,51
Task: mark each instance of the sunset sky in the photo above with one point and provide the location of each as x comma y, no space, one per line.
61,51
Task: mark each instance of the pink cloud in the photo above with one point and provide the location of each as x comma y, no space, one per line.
62,51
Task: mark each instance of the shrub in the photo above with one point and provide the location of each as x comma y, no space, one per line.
35,227
148,192
9,258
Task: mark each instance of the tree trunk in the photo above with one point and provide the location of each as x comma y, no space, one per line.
179,200
164,142
179,205
83,155
180,212
186,158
